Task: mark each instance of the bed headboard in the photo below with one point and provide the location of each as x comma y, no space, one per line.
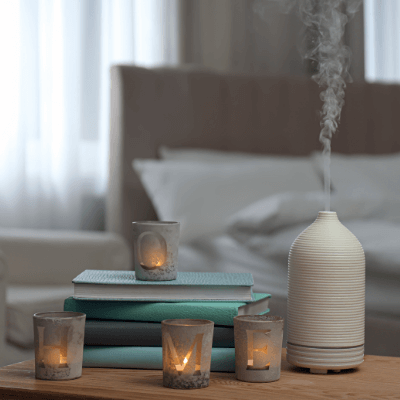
193,107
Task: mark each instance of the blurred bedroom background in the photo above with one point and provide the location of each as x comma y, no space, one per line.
220,102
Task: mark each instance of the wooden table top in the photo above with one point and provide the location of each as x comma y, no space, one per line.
377,378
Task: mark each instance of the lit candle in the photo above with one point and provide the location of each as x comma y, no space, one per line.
153,258
52,357
180,367
187,345
156,250
58,344
258,347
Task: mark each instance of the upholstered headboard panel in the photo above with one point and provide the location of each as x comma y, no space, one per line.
193,107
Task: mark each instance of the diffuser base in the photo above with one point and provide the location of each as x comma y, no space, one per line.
320,360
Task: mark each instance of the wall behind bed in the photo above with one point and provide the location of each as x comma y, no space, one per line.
194,107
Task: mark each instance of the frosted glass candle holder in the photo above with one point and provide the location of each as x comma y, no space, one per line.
186,349
58,345
156,250
258,347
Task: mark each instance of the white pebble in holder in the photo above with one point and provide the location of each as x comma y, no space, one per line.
326,297
156,250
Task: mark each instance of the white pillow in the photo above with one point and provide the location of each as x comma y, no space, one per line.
291,208
363,174
203,195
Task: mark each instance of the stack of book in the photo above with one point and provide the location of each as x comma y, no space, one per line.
123,315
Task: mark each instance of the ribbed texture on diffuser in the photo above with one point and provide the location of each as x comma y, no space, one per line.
326,286
325,358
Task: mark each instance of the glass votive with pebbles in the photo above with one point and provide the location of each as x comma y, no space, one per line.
59,338
156,250
258,347
186,349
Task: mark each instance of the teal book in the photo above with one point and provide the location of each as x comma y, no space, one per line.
189,286
222,360
132,333
221,312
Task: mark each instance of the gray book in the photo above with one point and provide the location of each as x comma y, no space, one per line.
129,333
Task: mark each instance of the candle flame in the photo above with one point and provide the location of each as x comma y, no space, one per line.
52,356
157,259
180,368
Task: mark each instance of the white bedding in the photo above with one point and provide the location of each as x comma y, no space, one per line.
254,245
265,228
266,258
257,237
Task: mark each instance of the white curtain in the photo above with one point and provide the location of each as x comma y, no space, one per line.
382,40
54,100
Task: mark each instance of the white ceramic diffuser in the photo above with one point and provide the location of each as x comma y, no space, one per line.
326,297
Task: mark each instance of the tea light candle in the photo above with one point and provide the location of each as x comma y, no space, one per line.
58,345
52,357
156,250
258,347
186,346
